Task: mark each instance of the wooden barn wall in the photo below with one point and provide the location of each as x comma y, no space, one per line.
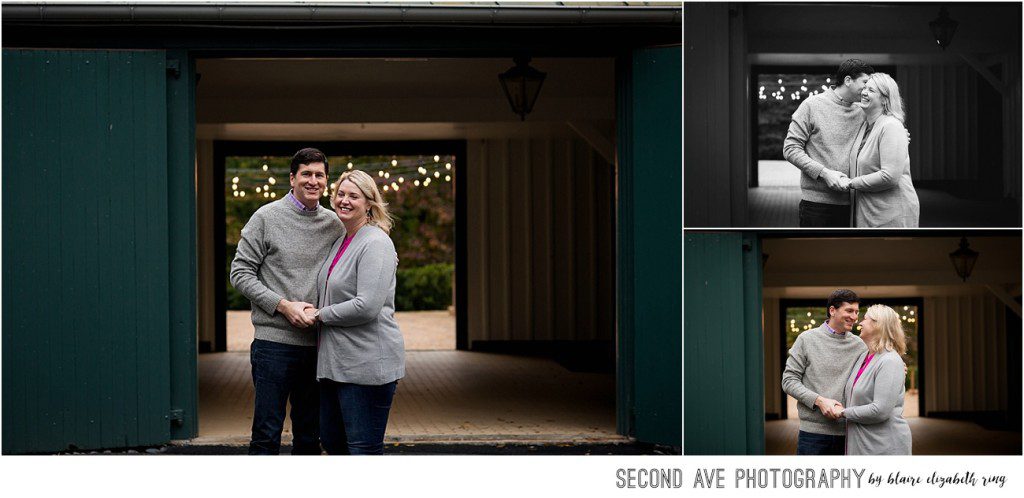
87,288
942,115
964,354
540,242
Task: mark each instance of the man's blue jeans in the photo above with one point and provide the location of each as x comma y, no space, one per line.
353,417
819,215
809,443
279,372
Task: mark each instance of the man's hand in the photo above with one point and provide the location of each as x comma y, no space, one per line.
832,178
828,407
293,311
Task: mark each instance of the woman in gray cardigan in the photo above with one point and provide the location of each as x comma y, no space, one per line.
361,353
883,193
874,392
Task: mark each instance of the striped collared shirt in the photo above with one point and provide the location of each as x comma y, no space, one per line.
298,204
832,330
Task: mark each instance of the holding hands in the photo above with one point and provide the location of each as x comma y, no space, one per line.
829,407
296,313
835,180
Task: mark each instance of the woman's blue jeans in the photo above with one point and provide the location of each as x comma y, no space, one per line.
353,417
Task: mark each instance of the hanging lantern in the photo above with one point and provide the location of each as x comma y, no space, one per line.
963,259
943,28
521,84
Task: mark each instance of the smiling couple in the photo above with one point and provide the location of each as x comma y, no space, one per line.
339,361
850,389
851,145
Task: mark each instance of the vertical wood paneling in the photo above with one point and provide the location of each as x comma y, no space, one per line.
772,362
941,109
497,241
964,366
520,235
85,205
477,298
565,220
539,251
542,189
583,194
707,133
715,337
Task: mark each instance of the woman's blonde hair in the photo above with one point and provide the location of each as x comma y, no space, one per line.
377,214
892,103
890,336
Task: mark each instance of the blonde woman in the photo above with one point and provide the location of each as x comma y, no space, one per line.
874,392
883,192
361,353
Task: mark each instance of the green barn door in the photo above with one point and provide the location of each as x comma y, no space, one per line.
724,394
650,237
86,291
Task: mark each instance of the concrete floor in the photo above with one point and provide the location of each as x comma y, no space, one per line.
774,203
930,436
446,395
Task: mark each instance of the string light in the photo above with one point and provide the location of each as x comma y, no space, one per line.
448,166
234,186
401,179
437,174
416,183
273,195
242,193
394,162
234,180
447,178
437,158
257,190
349,165
272,180
385,188
265,167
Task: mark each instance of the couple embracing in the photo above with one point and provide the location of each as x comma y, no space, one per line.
851,145
850,389
337,361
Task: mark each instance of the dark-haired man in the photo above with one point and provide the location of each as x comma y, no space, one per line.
818,367
820,140
281,249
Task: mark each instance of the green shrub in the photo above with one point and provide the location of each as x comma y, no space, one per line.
426,287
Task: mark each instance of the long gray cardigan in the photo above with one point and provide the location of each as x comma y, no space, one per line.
882,192
874,408
360,342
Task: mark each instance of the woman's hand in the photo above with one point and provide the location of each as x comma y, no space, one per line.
311,313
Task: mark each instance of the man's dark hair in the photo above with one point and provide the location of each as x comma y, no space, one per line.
840,296
309,155
852,68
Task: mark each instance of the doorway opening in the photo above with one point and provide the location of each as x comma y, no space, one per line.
522,227
800,315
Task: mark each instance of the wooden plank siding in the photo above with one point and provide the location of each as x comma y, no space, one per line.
86,257
540,241
965,366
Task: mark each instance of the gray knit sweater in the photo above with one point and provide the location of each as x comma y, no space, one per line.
819,364
280,251
822,135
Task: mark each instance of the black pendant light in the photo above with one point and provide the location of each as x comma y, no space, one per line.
521,84
943,28
963,259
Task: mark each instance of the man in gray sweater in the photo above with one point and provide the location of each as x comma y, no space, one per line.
818,367
820,141
282,246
